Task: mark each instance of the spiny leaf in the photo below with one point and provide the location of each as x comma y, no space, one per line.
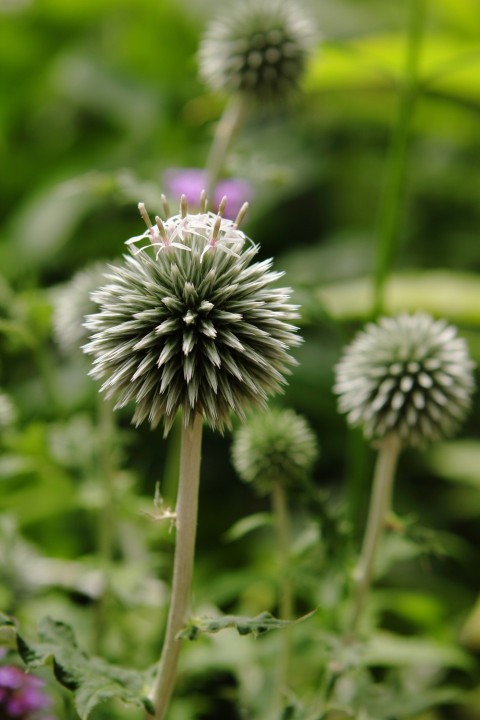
91,679
256,626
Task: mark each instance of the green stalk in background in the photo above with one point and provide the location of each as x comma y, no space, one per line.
391,203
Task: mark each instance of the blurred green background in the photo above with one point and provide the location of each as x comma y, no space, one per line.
98,100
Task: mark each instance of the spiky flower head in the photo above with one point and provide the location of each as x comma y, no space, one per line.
275,446
190,321
409,375
72,302
258,48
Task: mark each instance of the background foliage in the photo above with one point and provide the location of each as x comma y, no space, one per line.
98,100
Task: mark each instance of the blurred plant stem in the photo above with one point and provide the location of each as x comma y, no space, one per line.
106,535
391,203
227,127
380,503
44,363
186,525
282,521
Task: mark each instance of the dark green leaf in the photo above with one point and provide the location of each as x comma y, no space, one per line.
256,626
91,679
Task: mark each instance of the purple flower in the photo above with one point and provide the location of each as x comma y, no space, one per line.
21,695
191,181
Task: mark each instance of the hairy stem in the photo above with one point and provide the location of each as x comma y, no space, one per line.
390,208
380,502
227,127
282,520
186,525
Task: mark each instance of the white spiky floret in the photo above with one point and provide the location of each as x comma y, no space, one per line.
410,375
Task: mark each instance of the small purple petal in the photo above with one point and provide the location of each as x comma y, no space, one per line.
11,677
191,181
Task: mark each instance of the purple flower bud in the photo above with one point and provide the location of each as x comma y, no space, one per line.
191,181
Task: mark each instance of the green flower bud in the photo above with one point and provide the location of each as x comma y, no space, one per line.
276,446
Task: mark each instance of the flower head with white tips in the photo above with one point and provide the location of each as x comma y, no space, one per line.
189,322
408,375
258,49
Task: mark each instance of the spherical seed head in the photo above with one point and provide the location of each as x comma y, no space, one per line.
190,321
409,375
278,445
258,48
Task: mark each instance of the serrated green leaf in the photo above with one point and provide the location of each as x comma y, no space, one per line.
256,626
91,679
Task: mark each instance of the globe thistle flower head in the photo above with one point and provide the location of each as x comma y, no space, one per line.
258,49
275,446
410,375
191,321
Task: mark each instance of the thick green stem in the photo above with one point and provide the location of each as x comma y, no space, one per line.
380,502
390,208
282,520
186,526
227,127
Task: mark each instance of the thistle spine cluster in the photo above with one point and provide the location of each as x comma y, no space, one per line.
189,321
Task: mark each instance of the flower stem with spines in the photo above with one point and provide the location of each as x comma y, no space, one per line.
186,525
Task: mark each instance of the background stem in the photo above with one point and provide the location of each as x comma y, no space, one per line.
390,208
186,525
380,502
226,129
282,520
